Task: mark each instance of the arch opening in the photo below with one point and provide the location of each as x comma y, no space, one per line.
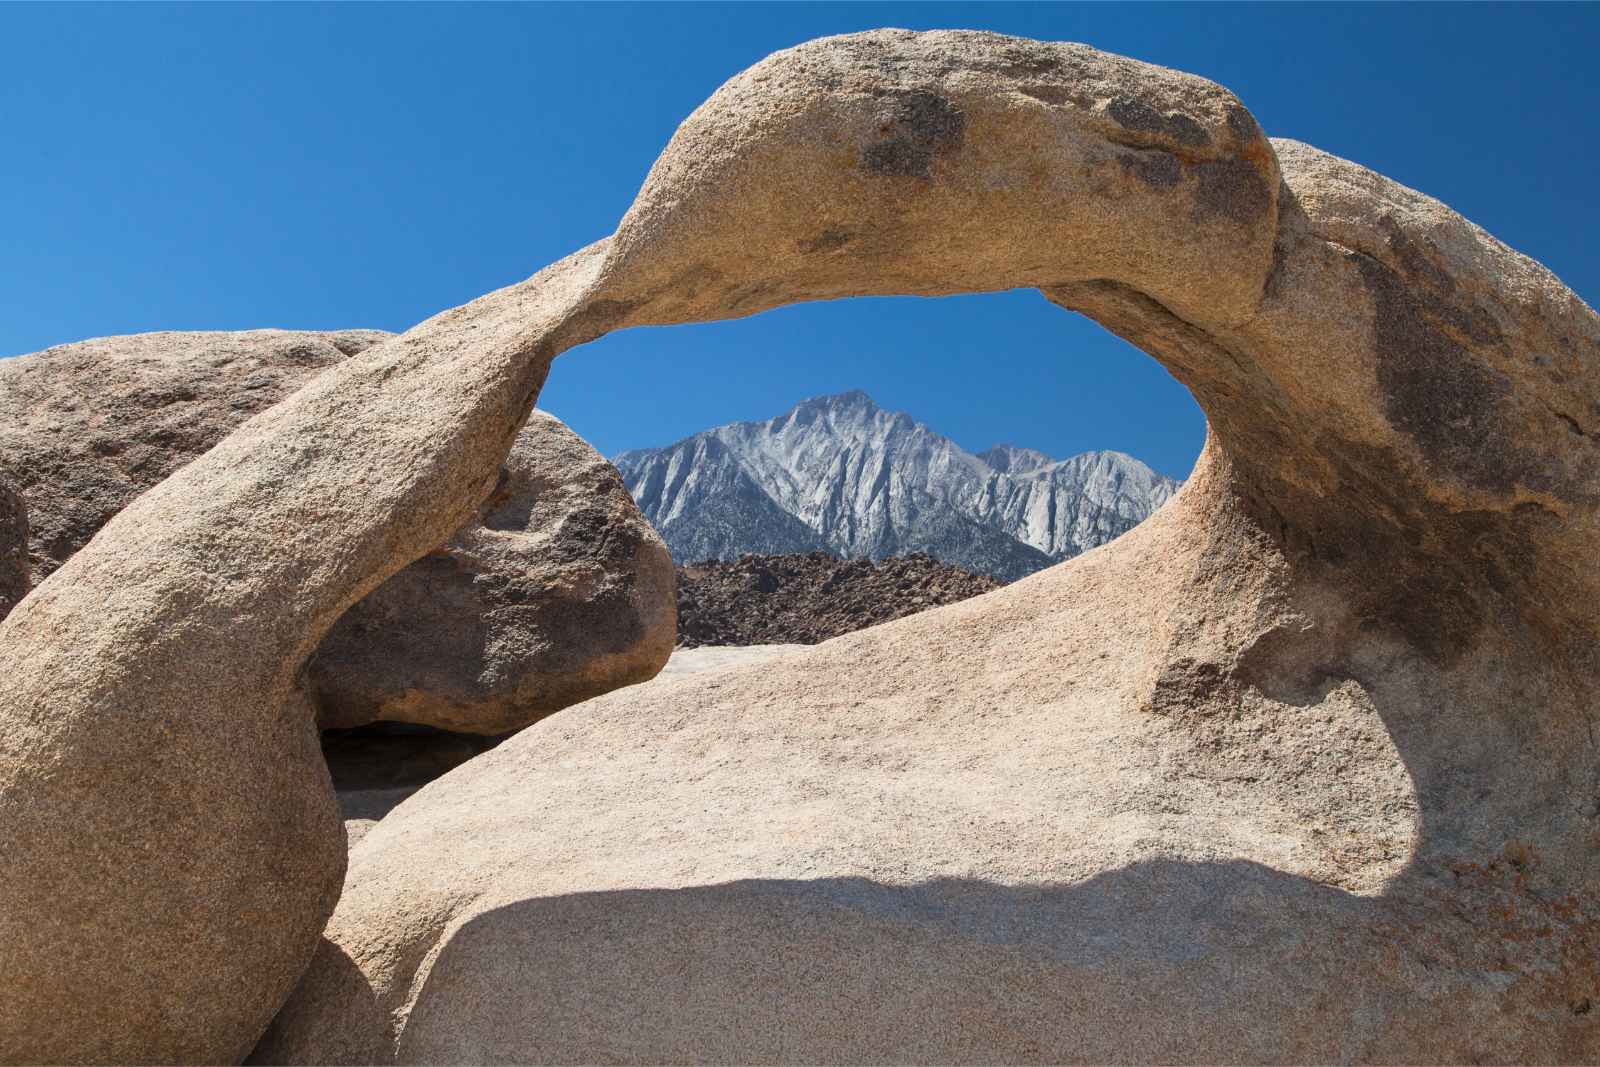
980,369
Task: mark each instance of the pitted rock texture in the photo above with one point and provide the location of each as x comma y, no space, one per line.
1298,770
556,591
196,625
86,427
14,581
804,599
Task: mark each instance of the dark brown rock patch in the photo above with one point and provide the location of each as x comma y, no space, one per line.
806,599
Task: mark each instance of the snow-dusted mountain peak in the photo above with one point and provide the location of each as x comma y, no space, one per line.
1009,459
842,474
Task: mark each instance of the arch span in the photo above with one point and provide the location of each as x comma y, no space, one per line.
1401,477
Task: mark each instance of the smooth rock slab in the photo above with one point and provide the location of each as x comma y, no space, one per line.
376,767
712,658
948,839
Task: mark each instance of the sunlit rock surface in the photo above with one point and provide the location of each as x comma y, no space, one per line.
1301,769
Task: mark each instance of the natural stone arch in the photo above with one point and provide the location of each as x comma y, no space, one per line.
1401,466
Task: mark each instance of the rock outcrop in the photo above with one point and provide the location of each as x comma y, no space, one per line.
555,591
804,599
376,766
1301,769
87,427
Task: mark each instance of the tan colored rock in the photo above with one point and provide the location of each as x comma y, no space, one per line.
556,591
720,657
172,843
375,767
362,809
1302,769
1288,773
86,427
960,837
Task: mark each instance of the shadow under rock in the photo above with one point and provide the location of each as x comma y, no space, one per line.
356,1031
1167,960
1155,962
396,755
376,767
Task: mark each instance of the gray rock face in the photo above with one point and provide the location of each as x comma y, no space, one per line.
1296,771
1009,459
841,474
707,506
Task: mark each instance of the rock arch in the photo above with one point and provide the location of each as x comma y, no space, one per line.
1400,488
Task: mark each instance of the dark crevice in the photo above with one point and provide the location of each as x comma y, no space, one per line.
1572,423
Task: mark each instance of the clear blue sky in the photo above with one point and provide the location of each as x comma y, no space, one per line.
228,167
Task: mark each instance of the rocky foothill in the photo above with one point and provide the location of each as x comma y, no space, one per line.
804,599
1300,769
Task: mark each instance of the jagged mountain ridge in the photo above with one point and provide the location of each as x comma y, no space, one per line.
842,475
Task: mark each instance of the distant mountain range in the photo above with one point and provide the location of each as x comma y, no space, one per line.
842,475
